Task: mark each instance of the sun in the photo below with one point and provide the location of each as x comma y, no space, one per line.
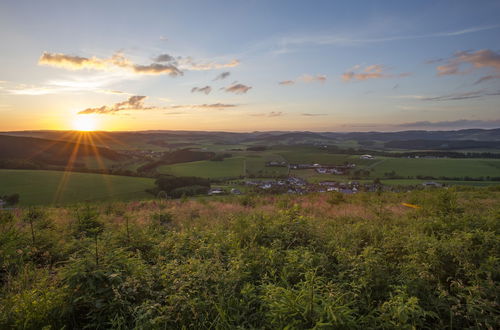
85,123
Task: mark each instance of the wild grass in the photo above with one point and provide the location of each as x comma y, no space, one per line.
311,261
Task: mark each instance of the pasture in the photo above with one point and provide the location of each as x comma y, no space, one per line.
437,167
55,187
253,164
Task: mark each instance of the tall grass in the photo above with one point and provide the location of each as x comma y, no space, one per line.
312,261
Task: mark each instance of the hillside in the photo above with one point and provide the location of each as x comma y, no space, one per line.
261,262
53,152
153,139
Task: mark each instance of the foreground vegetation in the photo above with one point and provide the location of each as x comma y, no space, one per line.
315,261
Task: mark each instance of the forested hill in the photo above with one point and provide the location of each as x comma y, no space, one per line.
50,151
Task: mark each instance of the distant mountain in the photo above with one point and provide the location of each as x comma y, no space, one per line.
442,144
465,134
51,152
152,139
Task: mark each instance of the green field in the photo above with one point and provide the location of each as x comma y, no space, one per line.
55,187
302,155
438,167
228,168
249,163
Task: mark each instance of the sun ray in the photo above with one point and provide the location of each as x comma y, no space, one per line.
67,170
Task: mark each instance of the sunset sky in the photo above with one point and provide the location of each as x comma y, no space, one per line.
249,65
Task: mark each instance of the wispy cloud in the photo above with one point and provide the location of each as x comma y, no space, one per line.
451,97
116,61
374,71
222,76
237,89
202,106
461,96
306,114
188,63
305,78
287,43
136,102
268,114
287,83
452,124
484,58
486,78
206,90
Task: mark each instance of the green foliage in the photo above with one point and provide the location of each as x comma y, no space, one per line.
12,199
261,262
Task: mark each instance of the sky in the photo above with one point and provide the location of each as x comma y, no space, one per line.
249,65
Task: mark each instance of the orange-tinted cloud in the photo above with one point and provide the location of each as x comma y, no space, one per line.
189,64
305,78
484,58
118,60
374,71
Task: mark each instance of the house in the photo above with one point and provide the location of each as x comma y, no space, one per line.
235,191
366,157
2,203
432,184
216,191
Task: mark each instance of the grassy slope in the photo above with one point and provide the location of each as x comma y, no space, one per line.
41,187
439,167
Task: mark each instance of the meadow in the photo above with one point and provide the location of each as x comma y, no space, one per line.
38,187
322,261
438,167
241,164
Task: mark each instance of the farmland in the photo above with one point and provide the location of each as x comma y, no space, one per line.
49,187
438,167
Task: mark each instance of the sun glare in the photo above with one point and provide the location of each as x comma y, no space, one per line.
85,123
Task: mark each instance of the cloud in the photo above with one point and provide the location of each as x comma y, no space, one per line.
286,82
461,123
136,102
285,44
237,89
118,60
374,71
164,58
206,89
109,91
313,114
202,106
461,96
189,64
222,76
305,78
268,114
484,58
486,78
